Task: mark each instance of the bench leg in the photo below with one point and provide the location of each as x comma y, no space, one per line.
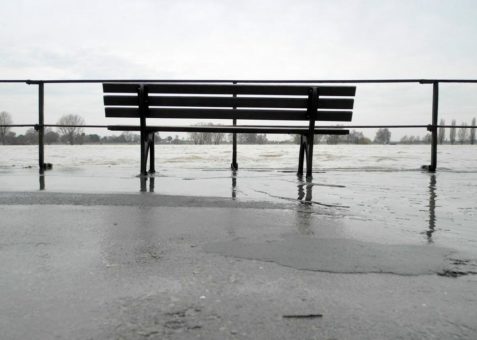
143,182
234,184
146,154
306,153
301,156
147,149
309,157
234,165
152,165
143,154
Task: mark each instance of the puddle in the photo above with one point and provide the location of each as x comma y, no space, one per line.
340,255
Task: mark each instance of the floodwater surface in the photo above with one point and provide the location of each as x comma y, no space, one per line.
379,191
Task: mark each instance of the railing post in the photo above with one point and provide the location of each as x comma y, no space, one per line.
234,164
312,113
435,117
142,118
41,146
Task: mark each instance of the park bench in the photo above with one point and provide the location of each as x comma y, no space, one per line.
306,103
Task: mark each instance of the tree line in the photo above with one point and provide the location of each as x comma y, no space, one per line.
70,131
462,135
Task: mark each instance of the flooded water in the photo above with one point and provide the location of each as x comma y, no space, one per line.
381,189
456,158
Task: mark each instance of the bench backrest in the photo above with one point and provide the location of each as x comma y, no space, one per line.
223,101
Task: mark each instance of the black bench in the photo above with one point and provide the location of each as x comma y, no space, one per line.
247,102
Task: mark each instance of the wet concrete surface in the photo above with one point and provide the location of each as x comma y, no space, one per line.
340,255
167,267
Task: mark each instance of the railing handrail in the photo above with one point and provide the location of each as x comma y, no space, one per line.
317,126
243,81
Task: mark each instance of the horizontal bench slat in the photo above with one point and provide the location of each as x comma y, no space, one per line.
331,116
231,129
121,112
228,114
228,89
337,104
288,90
121,101
131,112
120,88
291,103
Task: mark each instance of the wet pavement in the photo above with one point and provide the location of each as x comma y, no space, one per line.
151,266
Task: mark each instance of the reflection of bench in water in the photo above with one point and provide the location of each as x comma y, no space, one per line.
246,102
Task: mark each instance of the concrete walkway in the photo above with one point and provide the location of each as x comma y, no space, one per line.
140,266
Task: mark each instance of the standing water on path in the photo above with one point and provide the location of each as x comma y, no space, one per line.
380,188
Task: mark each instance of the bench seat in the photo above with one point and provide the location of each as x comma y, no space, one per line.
233,129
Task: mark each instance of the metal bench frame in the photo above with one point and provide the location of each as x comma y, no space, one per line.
122,104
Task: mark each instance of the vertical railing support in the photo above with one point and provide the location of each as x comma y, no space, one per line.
234,164
312,113
435,117
142,118
41,129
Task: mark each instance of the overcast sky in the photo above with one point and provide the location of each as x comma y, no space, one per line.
241,40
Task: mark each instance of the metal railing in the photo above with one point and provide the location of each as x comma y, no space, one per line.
432,127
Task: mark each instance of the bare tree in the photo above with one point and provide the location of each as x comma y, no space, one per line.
71,129
5,119
131,138
206,137
333,139
51,136
441,135
200,137
463,133
383,136
252,138
195,137
472,131
295,139
452,132
217,137
318,138
31,137
413,139
426,139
